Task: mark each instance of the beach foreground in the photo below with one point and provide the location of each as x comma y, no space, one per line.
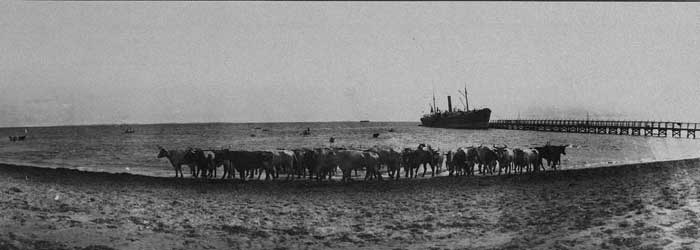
647,206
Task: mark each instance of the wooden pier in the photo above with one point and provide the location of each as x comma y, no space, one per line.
640,128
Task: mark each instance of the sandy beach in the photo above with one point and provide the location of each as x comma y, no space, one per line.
637,206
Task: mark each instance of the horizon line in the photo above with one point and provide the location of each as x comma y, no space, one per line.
176,123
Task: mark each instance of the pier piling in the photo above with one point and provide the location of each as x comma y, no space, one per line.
635,128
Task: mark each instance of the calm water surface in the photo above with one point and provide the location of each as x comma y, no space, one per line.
107,148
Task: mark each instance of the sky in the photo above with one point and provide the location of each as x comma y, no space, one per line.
69,63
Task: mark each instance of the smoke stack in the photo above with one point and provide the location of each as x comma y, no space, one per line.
449,103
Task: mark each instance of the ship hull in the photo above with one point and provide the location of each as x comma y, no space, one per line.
475,119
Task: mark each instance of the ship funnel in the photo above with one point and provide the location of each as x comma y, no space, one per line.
449,103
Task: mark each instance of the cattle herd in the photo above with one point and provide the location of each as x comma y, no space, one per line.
323,163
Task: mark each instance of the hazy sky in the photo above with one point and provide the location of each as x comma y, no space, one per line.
152,62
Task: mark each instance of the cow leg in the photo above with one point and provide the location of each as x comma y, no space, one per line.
510,167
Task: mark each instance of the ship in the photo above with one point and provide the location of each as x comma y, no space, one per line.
455,118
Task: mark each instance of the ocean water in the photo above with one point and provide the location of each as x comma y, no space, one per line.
107,148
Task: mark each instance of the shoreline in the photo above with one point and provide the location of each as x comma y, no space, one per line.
647,205
36,169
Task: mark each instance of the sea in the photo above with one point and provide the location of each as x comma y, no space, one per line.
107,148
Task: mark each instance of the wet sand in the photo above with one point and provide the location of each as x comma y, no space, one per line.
637,206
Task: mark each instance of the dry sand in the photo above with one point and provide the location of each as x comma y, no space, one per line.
639,206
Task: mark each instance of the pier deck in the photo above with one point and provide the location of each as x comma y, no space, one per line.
638,128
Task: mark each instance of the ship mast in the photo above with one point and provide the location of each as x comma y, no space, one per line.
434,107
466,98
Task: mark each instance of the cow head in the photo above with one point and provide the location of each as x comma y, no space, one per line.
562,149
162,152
500,151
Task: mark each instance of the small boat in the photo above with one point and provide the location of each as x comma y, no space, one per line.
129,131
19,137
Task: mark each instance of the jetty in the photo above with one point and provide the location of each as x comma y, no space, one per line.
637,128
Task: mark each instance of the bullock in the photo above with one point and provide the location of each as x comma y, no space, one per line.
266,164
410,161
447,157
300,165
349,160
533,159
310,161
426,155
437,160
552,154
372,165
216,159
486,159
283,161
324,163
521,160
204,160
390,158
458,163
244,161
178,158
219,159
472,160
505,158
